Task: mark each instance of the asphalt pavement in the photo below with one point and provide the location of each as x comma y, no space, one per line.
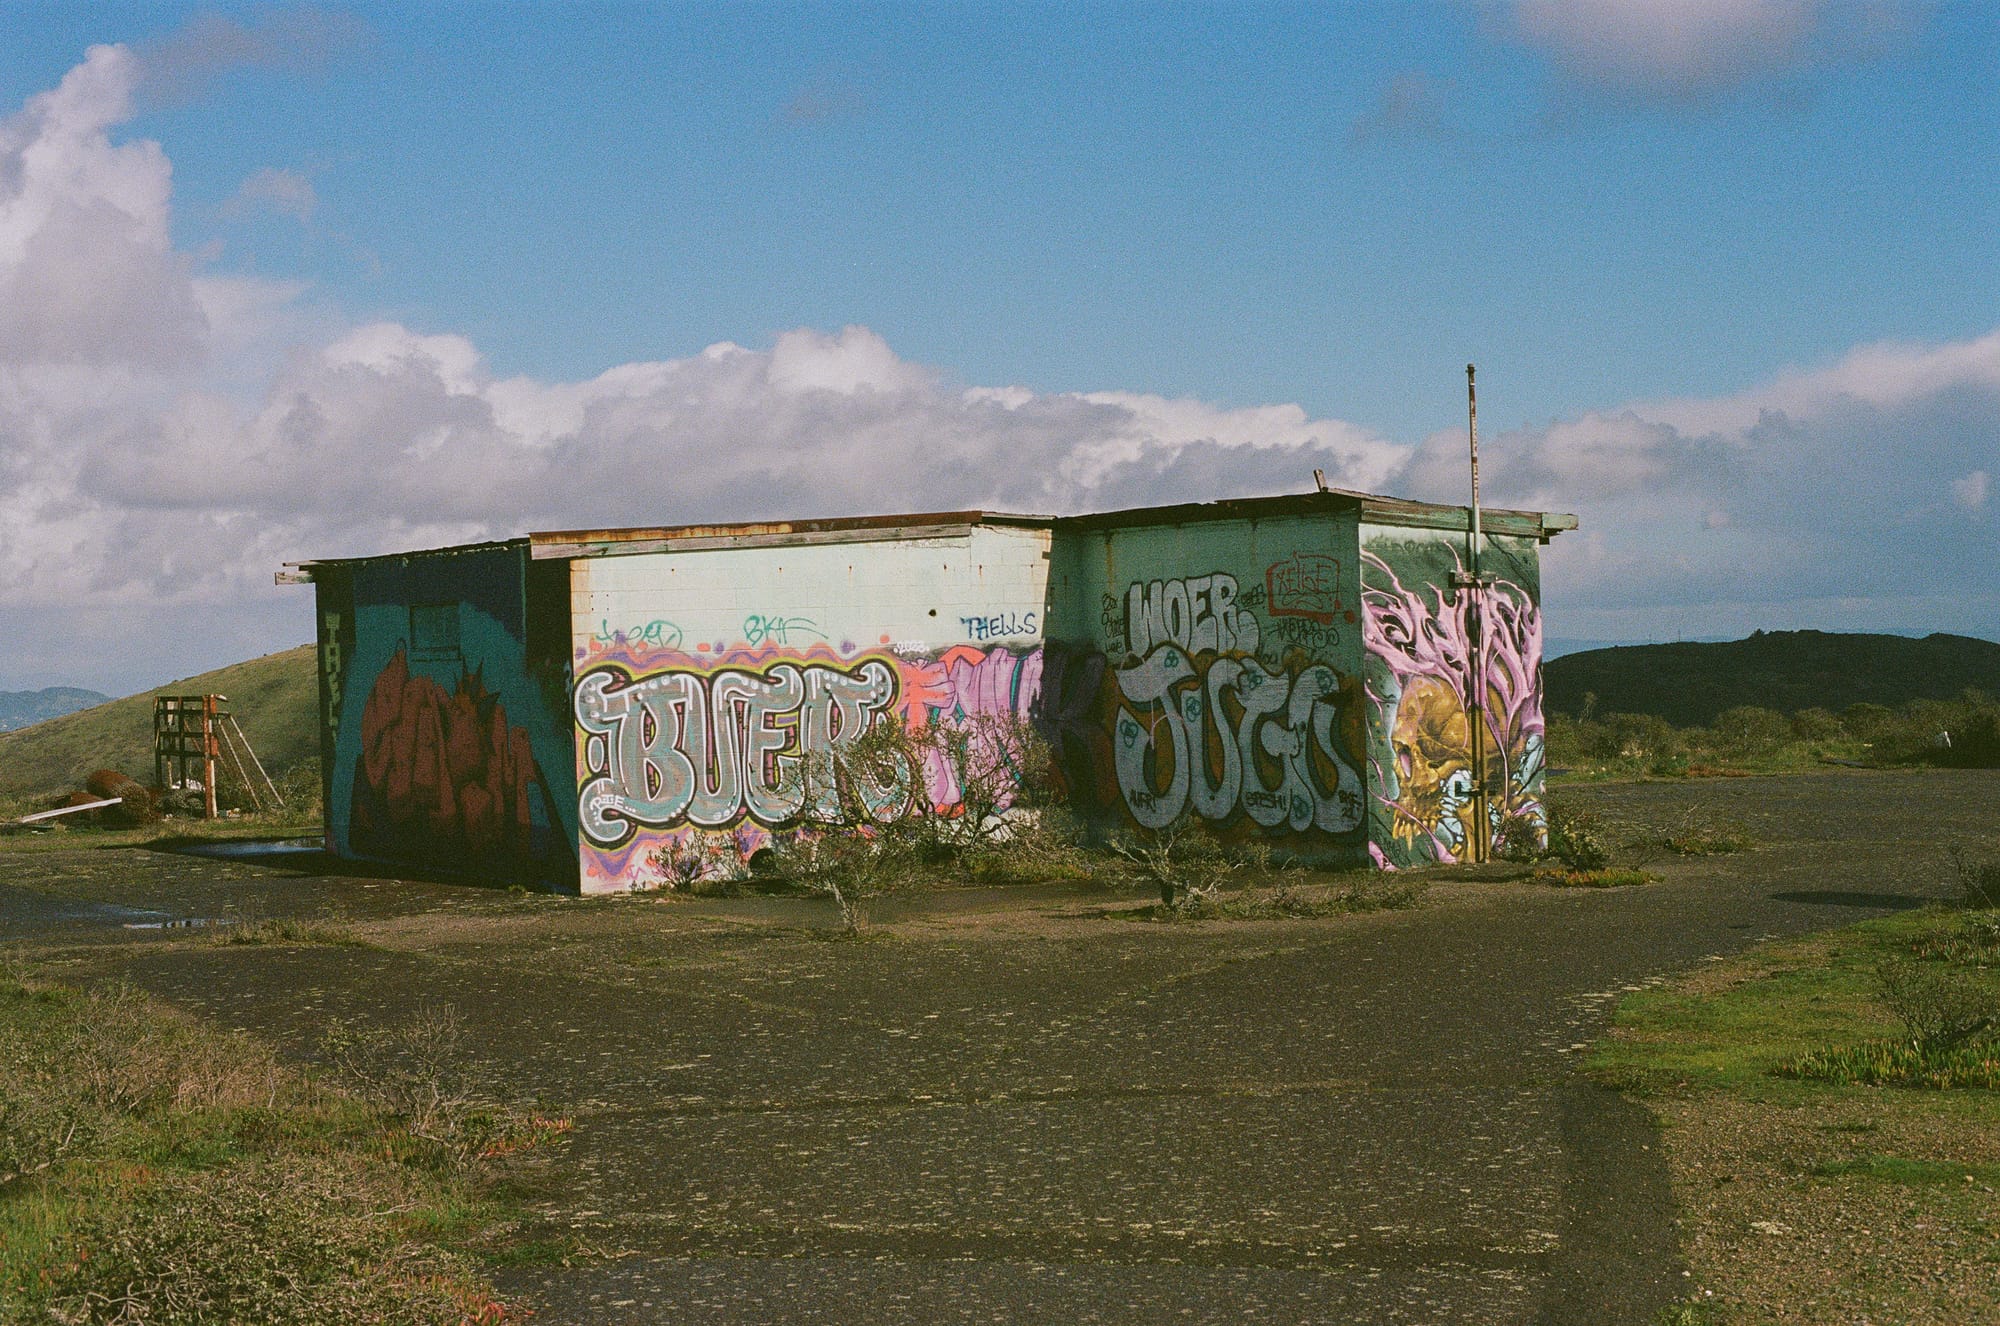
1014,1107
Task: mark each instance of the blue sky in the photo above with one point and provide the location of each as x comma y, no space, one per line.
1701,253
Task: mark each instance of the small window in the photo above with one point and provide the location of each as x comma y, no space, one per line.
434,630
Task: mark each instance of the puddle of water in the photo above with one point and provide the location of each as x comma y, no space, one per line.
237,850
24,910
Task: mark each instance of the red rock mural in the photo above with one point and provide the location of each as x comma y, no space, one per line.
443,778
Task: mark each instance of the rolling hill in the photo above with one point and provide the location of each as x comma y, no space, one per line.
1689,684
19,709
275,698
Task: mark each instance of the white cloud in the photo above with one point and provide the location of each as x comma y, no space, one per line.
286,192
169,436
1971,491
87,271
1690,49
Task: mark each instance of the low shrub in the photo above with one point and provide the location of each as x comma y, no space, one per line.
1521,838
1977,881
1184,861
1975,941
1943,1008
1373,893
155,1169
1575,838
1695,832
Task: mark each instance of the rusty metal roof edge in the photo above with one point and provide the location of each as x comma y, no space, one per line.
1371,506
449,550
744,528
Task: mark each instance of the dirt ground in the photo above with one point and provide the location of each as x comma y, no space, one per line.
1008,1105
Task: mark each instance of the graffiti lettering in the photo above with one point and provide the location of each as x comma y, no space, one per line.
1109,618
762,630
656,634
1303,633
712,749
998,626
1234,734
1199,614
1305,585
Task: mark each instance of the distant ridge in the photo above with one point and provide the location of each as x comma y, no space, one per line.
19,709
1688,684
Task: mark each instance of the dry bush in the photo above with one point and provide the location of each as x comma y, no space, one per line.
419,1071
421,1074
132,1055
1942,1009
1978,881
305,1240
1184,861
1574,838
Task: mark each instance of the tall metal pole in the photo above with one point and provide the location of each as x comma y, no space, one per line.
1472,431
1481,842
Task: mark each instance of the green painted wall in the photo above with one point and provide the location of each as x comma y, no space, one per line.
444,743
1212,671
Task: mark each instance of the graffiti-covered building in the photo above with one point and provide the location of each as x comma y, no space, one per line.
587,707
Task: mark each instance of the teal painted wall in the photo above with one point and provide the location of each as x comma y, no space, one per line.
1212,671
445,741
1419,636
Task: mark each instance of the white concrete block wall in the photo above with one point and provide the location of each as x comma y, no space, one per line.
702,677
987,587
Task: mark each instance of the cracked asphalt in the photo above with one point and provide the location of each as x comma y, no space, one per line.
1011,1106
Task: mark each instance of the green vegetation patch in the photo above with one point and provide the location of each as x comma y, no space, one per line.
1831,1112
1586,743
1290,901
153,1168
1737,1026
1901,1169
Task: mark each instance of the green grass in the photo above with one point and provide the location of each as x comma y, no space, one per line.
1911,1173
149,1158
1791,1084
1815,999
274,698
1797,997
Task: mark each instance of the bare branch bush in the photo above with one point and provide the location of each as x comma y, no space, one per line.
1575,837
900,801
838,849
1941,1008
1978,880
421,1073
1184,861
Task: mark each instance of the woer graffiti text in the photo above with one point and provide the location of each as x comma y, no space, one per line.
1204,726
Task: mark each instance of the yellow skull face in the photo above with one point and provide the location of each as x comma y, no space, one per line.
1433,743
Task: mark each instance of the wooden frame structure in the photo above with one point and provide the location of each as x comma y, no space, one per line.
195,731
